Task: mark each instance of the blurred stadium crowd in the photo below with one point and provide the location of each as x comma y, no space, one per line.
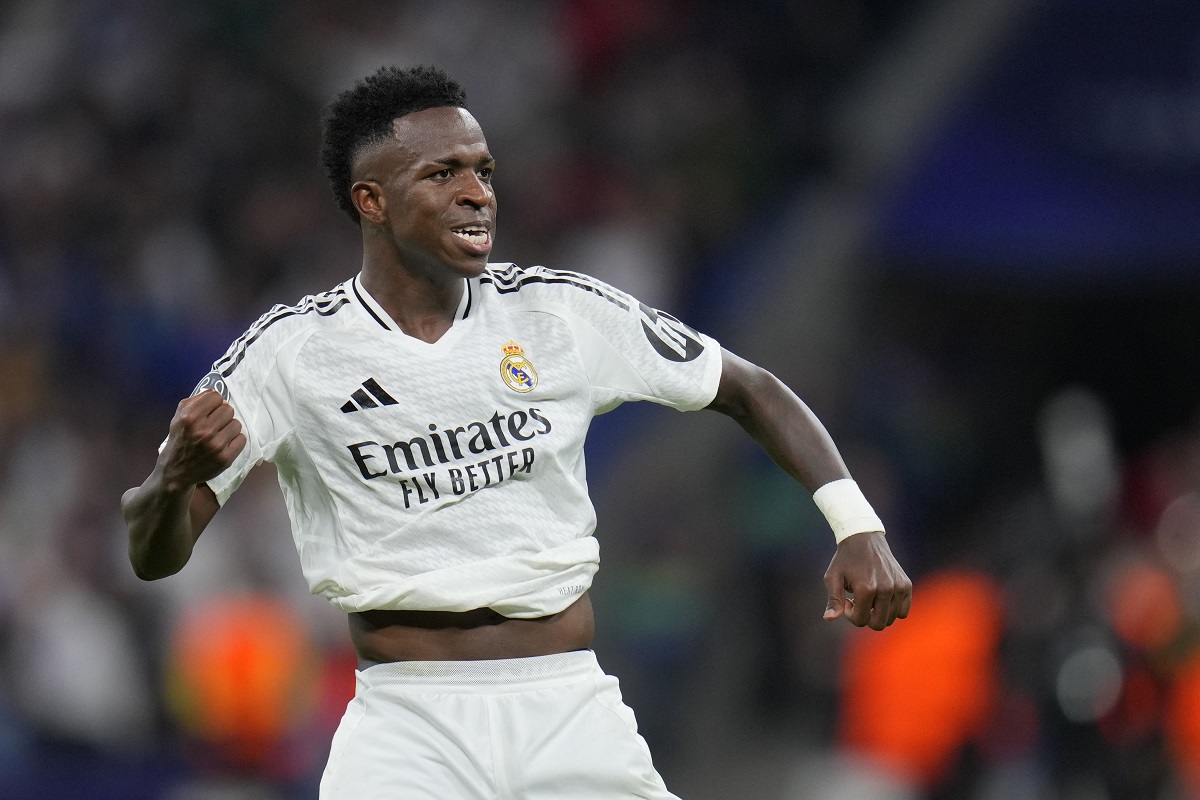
160,189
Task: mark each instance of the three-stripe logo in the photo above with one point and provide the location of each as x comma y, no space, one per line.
371,395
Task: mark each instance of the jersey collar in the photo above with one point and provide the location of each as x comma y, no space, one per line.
375,311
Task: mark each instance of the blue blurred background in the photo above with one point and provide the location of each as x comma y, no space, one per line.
967,232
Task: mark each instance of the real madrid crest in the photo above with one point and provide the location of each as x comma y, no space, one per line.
516,370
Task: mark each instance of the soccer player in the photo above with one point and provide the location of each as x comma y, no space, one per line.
427,419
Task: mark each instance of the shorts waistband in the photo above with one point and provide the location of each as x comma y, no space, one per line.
505,673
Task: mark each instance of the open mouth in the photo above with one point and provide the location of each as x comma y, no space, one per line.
476,236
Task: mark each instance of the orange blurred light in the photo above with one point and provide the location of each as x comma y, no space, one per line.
1143,605
1182,726
241,675
914,694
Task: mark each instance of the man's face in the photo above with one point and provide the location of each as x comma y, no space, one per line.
435,180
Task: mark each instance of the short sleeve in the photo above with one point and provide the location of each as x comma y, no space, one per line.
251,376
634,352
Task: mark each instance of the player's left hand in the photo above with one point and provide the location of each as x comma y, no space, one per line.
866,585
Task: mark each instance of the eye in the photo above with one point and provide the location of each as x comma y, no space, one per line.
443,174
485,173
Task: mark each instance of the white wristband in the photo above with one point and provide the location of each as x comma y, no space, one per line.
846,509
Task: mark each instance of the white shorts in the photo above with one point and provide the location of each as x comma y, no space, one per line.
544,728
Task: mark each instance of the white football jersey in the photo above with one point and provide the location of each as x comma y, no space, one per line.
450,476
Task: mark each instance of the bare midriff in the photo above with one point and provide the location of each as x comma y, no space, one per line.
481,634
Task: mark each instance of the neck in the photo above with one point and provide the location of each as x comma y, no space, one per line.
422,308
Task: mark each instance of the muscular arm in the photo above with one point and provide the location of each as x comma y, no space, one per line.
779,421
863,566
169,511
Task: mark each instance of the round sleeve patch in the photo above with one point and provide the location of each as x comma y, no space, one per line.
215,381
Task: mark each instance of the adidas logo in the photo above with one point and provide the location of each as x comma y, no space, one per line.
371,395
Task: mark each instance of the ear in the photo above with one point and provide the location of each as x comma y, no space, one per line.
368,199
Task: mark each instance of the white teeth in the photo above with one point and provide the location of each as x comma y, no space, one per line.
473,235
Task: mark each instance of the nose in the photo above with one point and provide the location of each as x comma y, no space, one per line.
475,191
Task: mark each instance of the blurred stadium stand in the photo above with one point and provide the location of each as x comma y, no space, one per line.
965,231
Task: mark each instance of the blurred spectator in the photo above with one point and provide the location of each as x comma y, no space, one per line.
160,189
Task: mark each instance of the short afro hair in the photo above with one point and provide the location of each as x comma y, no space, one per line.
364,114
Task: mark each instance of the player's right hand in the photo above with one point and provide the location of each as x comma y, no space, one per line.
204,439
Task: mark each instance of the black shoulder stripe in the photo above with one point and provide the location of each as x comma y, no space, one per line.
279,311
507,272
509,285
362,302
324,304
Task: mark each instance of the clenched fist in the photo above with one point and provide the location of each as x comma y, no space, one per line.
879,591
204,439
